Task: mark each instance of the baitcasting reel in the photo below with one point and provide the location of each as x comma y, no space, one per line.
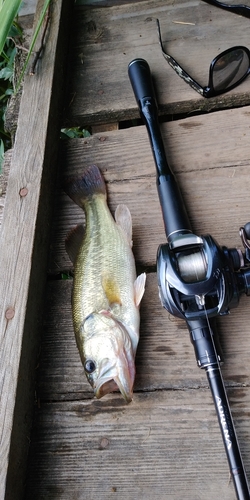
198,280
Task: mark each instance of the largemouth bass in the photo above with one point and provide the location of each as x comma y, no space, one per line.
106,292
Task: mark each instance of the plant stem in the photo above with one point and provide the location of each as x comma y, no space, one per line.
33,41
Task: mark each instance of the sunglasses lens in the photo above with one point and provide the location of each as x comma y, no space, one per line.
229,69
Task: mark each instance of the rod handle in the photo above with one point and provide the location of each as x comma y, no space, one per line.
141,81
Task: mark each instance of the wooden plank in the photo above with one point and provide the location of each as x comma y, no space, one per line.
24,249
104,127
212,174
165,358
28,8
105,40
164,445
105,3
4,180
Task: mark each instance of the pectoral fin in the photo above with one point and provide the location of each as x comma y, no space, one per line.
139,288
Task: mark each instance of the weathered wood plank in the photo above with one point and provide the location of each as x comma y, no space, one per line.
106,40
105,3
183,456
24,248
164,445
165,357
212,174
3,181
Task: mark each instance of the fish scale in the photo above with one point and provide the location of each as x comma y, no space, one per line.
101,242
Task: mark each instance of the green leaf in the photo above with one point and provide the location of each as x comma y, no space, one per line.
74,132
6,73
8,12
15,31
65,276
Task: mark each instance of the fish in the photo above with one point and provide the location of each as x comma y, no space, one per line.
106,292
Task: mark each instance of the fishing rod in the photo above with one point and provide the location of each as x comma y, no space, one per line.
198,280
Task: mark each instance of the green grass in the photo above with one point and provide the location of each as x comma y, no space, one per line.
10,37
33,41
7,64
8,12
9,31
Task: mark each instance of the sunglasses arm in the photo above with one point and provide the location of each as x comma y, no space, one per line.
241,10
177,68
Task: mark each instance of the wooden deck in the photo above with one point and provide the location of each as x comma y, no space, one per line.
166,444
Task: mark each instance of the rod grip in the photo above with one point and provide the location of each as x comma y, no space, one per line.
205,342
173,208
141,80
174,212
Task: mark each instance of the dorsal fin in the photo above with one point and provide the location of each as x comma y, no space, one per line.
124,220
74,241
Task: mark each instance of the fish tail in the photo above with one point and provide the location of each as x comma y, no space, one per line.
90,183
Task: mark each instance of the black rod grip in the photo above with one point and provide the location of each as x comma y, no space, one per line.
173,209
141,80
174,212
142,85
205,342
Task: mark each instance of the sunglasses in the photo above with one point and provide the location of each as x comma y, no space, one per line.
227,70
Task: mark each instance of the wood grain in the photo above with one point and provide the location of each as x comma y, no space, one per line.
24,250
4,180
164,445
167,443
212,173
104,41
165,357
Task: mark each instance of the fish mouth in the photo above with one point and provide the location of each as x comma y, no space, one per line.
119,377
114,385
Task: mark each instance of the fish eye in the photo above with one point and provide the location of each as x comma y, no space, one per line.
89,366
